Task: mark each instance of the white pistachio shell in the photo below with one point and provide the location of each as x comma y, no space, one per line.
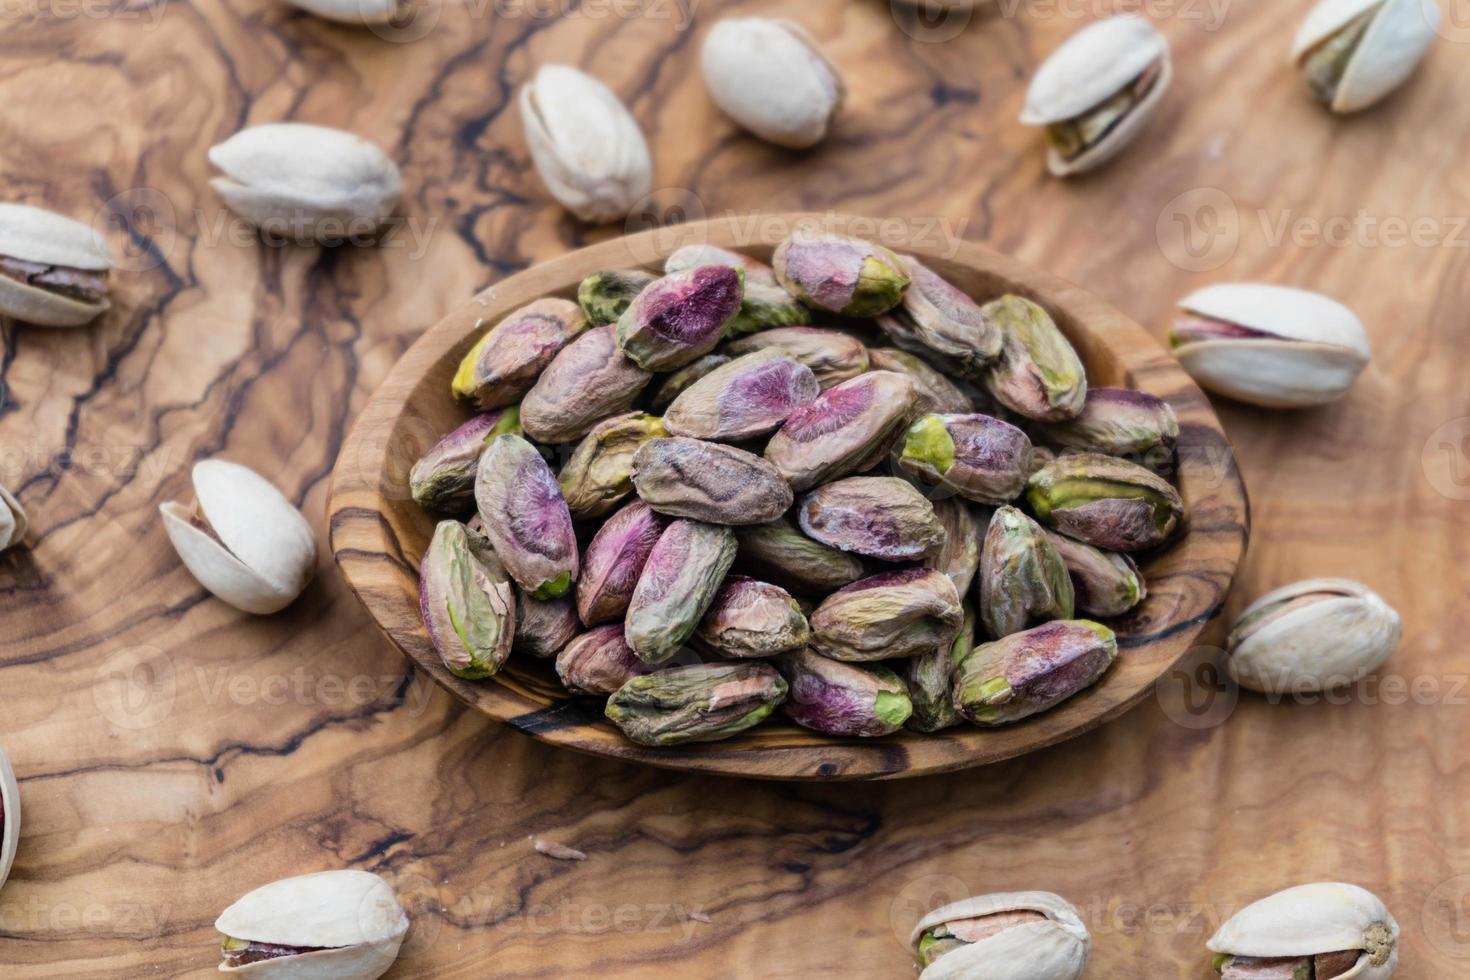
13,521
354,912
1317,349
1336,640
586,145
258,553
352,11
770,77
1326,917
1056,949
300,180
10,797
36,235
1392,47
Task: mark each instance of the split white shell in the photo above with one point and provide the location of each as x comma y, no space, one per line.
36,235
356,913
13,520
1319,918
1317,349
352,11
586,145
1056,949
1331,642
301,181
10,797
261,552
770,77
1091,67
1391,48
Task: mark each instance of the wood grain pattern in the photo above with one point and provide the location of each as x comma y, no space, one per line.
173,753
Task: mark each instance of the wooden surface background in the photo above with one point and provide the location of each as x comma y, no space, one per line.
174,753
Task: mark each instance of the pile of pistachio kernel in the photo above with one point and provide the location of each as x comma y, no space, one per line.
836,485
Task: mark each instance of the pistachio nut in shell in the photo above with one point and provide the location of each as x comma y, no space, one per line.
1037,374
328,924
698,703
1312,635
588,149
681,317
467,602
353,11
964,530
981,458
1105,501
588,381
928,678
443,479
1104,583
1353,53
544,626
844,430
1028,672
744,398
53,270
13,520
936,392
848,700
303,182
599,661
9,816
763,305
750,618
778,552
1023,579
1119,422
833,356
1269,345
613,561
599,474
604,296
770,77
678,582
937,319
526,518
1004,936
877,516
889,615
1307,925
505,363
242,539
839,274
1096,92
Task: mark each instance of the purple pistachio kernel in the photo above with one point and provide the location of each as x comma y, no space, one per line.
679,581
877,516
752,619
588,381
680,318
832,356
843,699
890,615
599,662
844,430
840,274
526,518
504,364
1028,672
544,626
748,397
708,481
614,560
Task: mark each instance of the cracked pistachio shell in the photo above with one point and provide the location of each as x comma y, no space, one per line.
750,618
778,552
981,458
1304,923
848,700
1312,635
887,616
1118,422
599,662
444,478
964,530
526,518
877,516
745,398
588,149
833,356
677,585
677,382
843,275
588,381
53,270
467,602
936,392
9,816
1025,673
844,430
544,626
764,303
699,703
1104,583
304,181
1355,52
1004,936
242,540
710,482
770,77
13,520
1105,501
505,363
681,317
928,679
1022,577
1269,345
614,560
328,924
600,473
936,319
604,296
353,11
1037,374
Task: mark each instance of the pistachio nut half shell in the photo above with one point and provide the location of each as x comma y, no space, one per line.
937,319
770,77
1097,90
600,473
53,270
1269,345
443,479
1119,422
13,520
678,582
964,529
467,602
1104,583
9,816
844,430
588,381
587,147
1004,936
526,518
936,392
1312,635
1022,577
353,11
242,539
505,363
698,703
928,677
1324,931
599,662
604,296
888,616
978,457
877,516
833,356
709,481
544,626
764,303
750,618
613,561
1025,673
1105,501
681,317
848,276
328,924
848,700
778,552
748,397
1037,374
1353,53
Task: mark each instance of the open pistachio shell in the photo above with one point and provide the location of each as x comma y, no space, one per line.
1004,936
845,430
526,518
937,319
242,540
353,11
9,817
13,520
1355,52
53,270
833,356
1304,923
748,397
505,363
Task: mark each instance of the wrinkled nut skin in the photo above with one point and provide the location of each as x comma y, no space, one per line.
841,275
604,296
1028,672
750,618
710,482
444,478
844,430
1022,577
763,306
678,582
964,530
1318,921
614,560
1105,501
745,398
778,552
1005,936
888,616
600,473
677,382
936,319
544,626
832,356
981,458
928,679
1105,584
1037,374
467,602
936,392
505,363
526,518
584,384
842,699
699,703
1119,422
599,662
681,317
877,516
